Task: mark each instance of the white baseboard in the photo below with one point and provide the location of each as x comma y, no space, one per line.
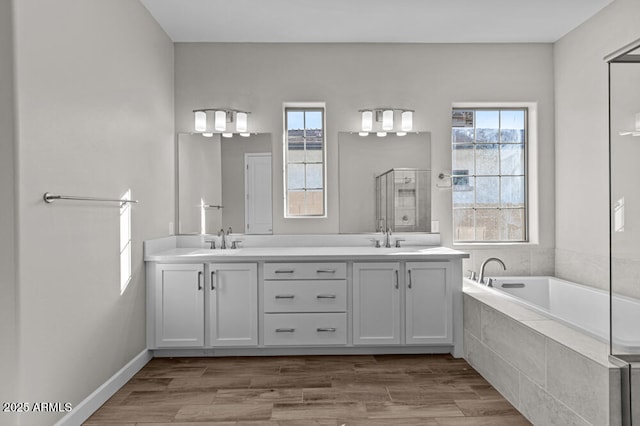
90,404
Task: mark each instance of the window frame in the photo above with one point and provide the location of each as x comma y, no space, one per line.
531,228
304,107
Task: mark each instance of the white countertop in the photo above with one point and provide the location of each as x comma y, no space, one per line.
200,255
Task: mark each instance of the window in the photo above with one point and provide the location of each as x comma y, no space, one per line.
125,242
489,174
304,152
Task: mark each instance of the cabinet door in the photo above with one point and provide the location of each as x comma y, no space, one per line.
376,303
428,303
232,307
180,306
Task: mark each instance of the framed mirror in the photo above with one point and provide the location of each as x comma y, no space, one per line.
222,183
362,159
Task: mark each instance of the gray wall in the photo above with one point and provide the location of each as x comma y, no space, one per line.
8,291
348,77
582,216
95,108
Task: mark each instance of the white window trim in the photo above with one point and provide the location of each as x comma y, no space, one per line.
286,105
533,207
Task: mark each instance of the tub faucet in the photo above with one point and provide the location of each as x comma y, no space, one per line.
491,259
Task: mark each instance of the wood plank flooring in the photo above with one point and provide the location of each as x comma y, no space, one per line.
404,390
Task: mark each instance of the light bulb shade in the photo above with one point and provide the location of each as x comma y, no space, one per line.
387,119
367,121
220,123
241,122
201,121
407,121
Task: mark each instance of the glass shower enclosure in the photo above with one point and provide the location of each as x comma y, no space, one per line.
624,197
403,200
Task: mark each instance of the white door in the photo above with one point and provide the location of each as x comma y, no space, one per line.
179,306
376,303
428,303
257,183
232,308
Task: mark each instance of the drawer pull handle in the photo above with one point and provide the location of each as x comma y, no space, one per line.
410,284
285,330
285,296
199,280
326,330
284,271
326,296
325,271
397,282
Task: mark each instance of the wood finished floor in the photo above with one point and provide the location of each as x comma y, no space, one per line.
428,390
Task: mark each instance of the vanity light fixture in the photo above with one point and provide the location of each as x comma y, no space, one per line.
220,121
636,132
407,121
214,120
385,118
367,121
201,121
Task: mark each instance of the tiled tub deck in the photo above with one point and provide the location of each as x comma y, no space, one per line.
552,373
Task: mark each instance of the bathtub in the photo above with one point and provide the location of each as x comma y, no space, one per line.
578,306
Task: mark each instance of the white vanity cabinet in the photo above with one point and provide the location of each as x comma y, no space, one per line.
305,304
428,303
232,304
179,306
310,299
376,303
383,297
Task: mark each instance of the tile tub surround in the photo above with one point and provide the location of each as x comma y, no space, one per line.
553,374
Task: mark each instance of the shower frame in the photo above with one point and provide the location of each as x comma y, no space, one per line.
627,55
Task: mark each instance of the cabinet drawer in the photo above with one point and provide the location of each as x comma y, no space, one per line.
305,329
292,271
305,296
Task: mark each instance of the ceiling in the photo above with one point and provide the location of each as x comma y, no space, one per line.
371,21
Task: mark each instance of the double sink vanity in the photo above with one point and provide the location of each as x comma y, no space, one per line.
303,294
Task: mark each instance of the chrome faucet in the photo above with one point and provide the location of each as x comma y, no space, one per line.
491,259
387,238
223,242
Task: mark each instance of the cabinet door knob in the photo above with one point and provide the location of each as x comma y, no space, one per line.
409,278
199,280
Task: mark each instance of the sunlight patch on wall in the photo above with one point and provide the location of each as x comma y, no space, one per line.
125,242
